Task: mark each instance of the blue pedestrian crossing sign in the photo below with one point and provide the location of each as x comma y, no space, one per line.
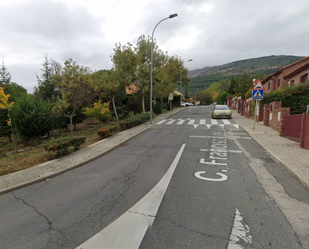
257,93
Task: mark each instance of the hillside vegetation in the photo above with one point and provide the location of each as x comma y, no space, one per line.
203,78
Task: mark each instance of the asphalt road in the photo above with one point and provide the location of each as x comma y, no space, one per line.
215,197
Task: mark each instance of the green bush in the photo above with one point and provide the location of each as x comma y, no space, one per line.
134,120
296,97
32,118
157,108
106,132
61,145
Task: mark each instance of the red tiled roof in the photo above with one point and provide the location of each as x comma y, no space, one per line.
298,70
280,70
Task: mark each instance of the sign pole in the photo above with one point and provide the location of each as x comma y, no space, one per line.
255,115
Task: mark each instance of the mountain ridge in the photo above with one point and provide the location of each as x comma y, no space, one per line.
204,77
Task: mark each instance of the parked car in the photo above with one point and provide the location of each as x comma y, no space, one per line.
183,103
221,111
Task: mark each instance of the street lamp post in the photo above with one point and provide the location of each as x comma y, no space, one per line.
181,80
151,77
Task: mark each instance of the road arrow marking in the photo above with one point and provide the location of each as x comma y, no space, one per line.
239,237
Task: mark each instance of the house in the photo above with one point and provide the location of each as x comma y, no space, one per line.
290,75
298,76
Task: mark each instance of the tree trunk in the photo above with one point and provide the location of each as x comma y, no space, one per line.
71,122
113,100
143,102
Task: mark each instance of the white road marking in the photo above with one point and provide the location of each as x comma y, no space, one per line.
213,121
170,122
181,121
205,137
191,122
161,122
222,178
129,229
202,121
195,126
240,232
230,151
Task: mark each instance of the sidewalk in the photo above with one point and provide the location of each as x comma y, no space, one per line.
286,151
55,167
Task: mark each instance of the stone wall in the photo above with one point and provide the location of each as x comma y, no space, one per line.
276,116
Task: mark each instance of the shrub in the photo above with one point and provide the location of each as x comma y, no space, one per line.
106,132
157,108
61,145
134,120
32,118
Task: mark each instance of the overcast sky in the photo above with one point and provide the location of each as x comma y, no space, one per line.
211,32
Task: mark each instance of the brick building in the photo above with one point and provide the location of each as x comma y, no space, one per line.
290,75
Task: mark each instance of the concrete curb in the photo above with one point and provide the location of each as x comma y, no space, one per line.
76,159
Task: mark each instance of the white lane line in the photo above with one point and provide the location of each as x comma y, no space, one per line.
202,121
170,122
225,121
161,122
129,229
240,233
180,122
191,122
222,150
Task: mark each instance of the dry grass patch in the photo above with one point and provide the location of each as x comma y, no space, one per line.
23,160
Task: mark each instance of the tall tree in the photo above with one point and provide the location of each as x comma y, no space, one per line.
76,88
45,89
122,74
32,118
168,77
143,53
5,76
5,119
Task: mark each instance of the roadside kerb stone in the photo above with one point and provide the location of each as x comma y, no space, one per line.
286,151
76,159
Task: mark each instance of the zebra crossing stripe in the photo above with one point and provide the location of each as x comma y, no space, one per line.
200,122
170,122
161,122
191,122
181,121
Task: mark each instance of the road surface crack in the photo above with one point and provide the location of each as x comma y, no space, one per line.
64,239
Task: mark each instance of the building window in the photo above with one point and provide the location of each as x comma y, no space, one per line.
268,85
279,82
292,82
304,78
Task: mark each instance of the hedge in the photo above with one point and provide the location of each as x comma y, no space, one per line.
61,145
134,120
296,97
106,132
